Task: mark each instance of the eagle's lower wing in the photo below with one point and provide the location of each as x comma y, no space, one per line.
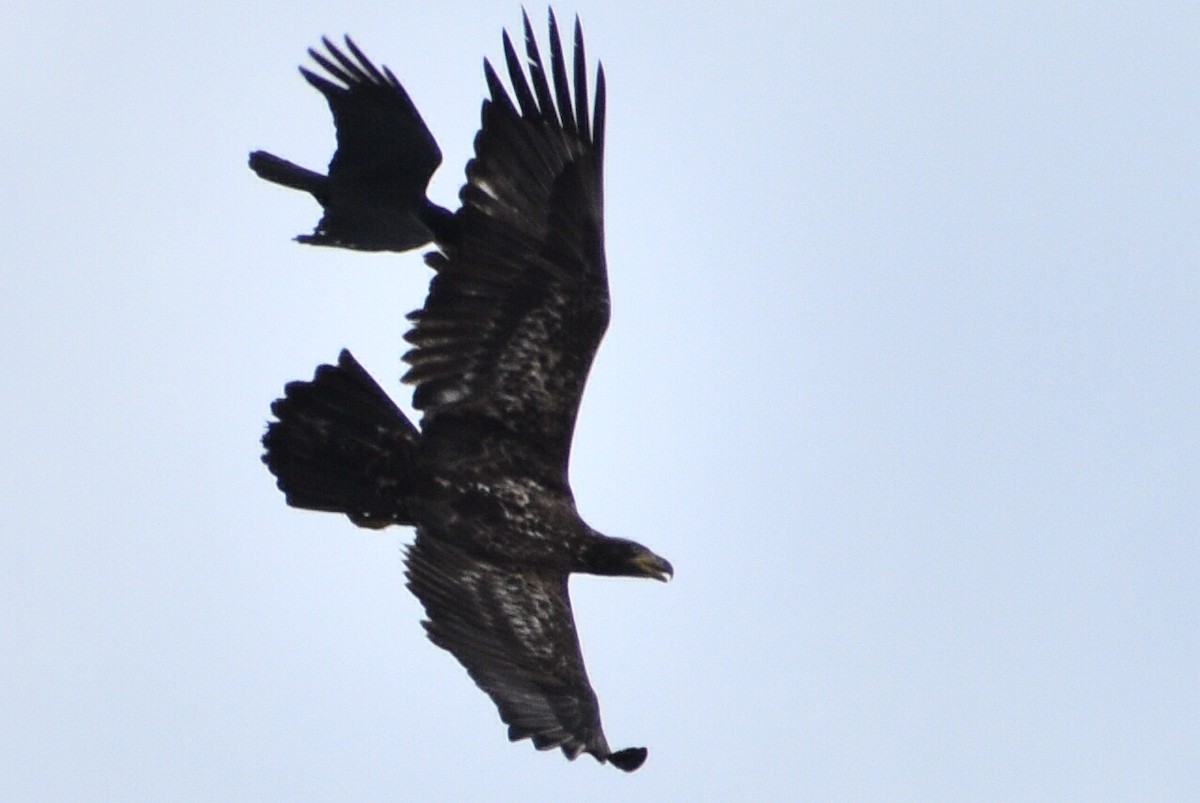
520,301
514,632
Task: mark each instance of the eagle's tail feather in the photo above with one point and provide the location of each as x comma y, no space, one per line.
341,445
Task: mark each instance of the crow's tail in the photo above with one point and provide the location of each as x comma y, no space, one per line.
280,171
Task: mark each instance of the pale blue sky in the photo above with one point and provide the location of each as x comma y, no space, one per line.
903,377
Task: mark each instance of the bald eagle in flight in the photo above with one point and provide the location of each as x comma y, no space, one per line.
500,353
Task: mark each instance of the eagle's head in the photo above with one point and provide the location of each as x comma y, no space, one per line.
623,558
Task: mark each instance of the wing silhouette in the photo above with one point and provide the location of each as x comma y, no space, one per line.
520,301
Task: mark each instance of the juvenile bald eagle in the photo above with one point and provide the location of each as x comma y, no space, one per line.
501,351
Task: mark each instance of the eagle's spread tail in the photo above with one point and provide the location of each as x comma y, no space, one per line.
341,445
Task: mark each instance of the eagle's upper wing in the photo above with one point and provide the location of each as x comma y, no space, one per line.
384,159
520,300
515,634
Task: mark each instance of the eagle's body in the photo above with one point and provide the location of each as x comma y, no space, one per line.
501,352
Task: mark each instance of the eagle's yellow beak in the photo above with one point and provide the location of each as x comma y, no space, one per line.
652,565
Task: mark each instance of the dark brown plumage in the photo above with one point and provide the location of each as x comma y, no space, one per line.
500,354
